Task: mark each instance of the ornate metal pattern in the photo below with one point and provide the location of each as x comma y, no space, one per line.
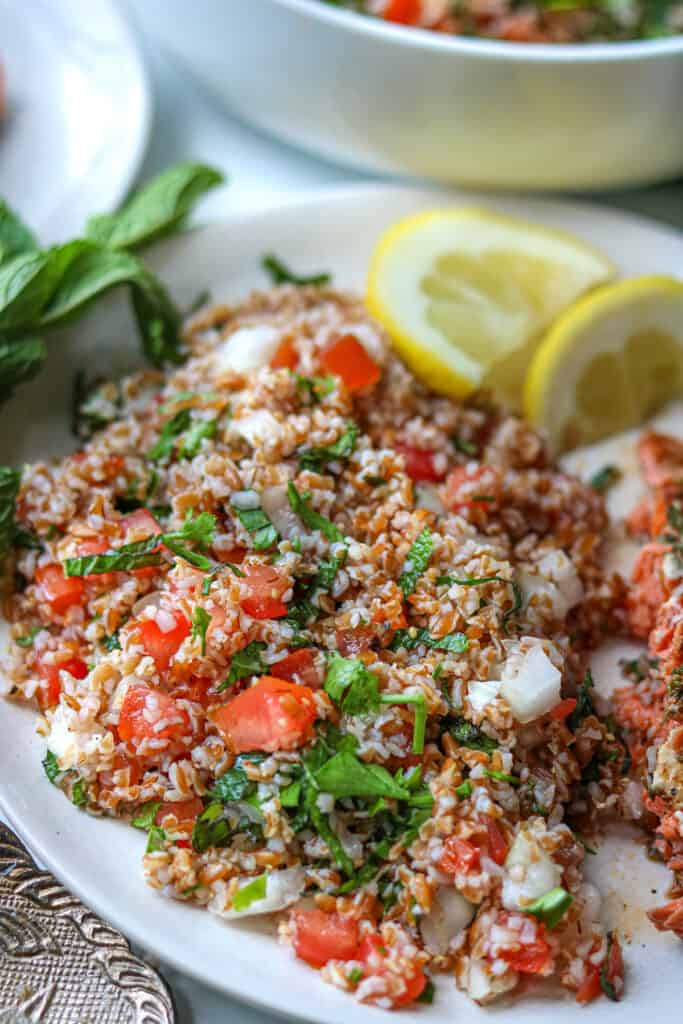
59,963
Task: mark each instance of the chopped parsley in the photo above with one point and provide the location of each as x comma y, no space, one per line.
210,829
155,839
316,459
79,794
409,639
256,522
211,576
464,446
201,620
170,431
427,994
417,561
51,767
497,776
517,604
144,819
281,274
317,388
310,518
27,639
468,735
196,433
584,703
464,790
344,775
247,662
233,785
606,985
605,478
111,642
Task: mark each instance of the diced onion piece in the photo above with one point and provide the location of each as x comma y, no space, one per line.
531,684
556,578
248,349
481,692
275,504
530,872
257,428
449,915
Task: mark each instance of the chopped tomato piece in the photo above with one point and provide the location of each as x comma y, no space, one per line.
563,709
614,966
265,588
120,762
49,692
669,917
403,12
271,715
61,592
319,937
373,954
661,458
299,666
459,856
590,987
497,843
162,645
420,463
197,690
352,642
666,638
532,958
150,714
648,589
346,358
286,356
235,555
183,810
473,489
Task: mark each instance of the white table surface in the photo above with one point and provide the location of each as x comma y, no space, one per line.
189,123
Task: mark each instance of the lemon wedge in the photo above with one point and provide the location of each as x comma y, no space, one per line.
465,294
609,362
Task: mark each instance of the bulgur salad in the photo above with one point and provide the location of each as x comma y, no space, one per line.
534,21
323,636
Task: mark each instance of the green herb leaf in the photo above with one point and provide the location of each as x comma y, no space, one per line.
281,274
605,478
27,639
156,209
112,642
420,703
201,620
316,459
316,387
232,785
137,555
468,735
144,819
155,839
177,425
291,795
497,776
606,985
51,767
517,604
250,893
20,360
192,441
409,639
79,794
469,581
256,522
349,684
464,446
551,908
464,790
247,662
312,519
210,829
584,703
417,561
344,775
10,480
15,237
428,993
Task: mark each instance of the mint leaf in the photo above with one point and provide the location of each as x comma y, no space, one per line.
316,459
468,735
79,794
144,819
409,639
281,274
20,360
312,519
417,561
51,767
15,237
232,785
10,480
256,522
156,209
197,432
163,448
349,684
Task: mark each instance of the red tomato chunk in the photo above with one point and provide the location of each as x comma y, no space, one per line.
459,856
162,645
61,592
346,358
182,810
373,953
265,588
49,693
271,715
150,714
298,667
420,463
320,937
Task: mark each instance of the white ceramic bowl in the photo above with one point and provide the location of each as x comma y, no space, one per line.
476,112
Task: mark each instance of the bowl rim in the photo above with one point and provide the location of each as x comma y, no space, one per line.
491,49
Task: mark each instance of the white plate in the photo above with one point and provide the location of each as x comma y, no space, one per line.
78,111
100,860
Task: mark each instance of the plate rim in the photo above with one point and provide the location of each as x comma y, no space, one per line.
272,205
